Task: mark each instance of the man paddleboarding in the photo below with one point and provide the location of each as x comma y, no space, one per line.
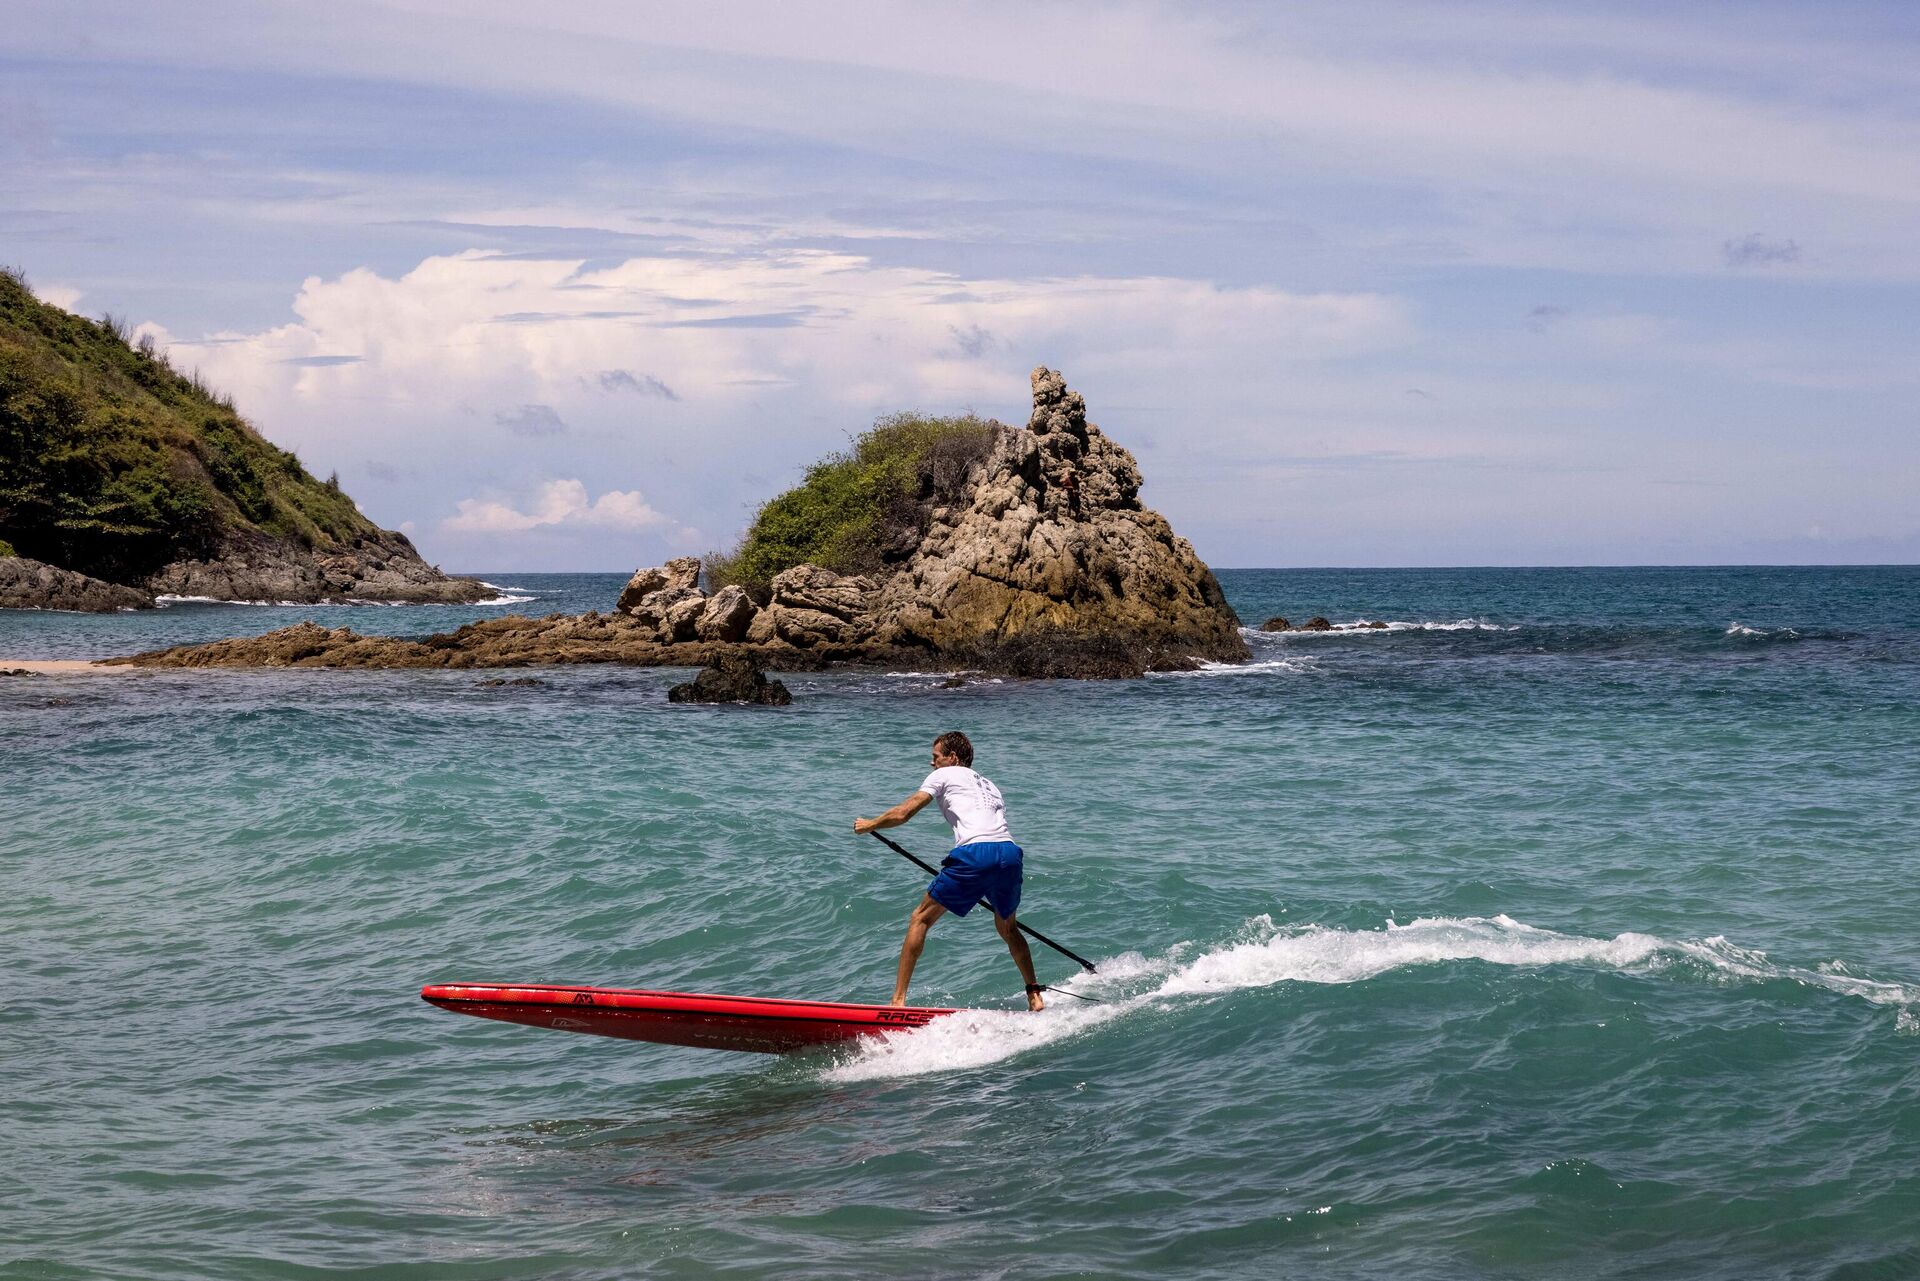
984,864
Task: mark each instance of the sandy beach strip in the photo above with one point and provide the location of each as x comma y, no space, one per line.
61,667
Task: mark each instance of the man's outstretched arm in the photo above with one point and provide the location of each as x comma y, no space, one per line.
894,817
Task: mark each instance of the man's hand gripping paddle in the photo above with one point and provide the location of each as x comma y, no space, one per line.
1018,924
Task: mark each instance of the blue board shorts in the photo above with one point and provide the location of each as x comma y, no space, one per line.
987,870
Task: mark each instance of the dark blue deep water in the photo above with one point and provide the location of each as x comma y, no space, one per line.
1567,927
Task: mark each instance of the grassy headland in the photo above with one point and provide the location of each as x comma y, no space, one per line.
113,462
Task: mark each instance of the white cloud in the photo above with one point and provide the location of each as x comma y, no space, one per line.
558,504
772,358
65,297
483,329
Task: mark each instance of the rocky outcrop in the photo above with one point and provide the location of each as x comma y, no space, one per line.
32,584
809,608
381,566
1055,542
732,677
726,616
1047,564
666,601
510,641
681,575
812,606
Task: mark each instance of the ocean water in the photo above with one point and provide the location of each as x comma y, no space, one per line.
1567,927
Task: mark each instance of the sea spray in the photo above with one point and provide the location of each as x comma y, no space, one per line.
1265,955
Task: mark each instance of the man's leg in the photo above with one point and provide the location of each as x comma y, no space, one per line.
917,925
1022,957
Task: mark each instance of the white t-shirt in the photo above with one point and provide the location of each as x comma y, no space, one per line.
970,803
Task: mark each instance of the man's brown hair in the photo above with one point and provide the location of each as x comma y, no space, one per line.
955,744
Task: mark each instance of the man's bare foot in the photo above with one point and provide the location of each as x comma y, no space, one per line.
897,1003
1034,1003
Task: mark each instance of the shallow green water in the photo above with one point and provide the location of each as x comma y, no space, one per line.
1568,933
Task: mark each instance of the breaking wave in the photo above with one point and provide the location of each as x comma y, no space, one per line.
1266,955
1386,627
274,604
507,596
1208,667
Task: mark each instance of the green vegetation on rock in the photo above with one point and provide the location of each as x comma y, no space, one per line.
863,508
113,463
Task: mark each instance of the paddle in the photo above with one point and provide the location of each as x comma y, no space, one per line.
1022,926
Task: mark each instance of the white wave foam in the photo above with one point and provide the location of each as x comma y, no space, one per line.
1738,628
1385,627
273,604
1210,668
1266,955
970,676
354,601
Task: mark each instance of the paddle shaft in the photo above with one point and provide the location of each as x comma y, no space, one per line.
1018,924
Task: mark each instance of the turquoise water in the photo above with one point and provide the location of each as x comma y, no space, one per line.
1566,931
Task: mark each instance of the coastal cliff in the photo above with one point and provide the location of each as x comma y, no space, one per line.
1023,551
116,466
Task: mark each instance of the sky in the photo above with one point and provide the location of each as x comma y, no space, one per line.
578,287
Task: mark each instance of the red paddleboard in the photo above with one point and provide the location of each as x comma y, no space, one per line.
762,1025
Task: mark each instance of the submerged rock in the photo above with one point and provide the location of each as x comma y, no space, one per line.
731,678
1049,654
1316,624
1276,625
